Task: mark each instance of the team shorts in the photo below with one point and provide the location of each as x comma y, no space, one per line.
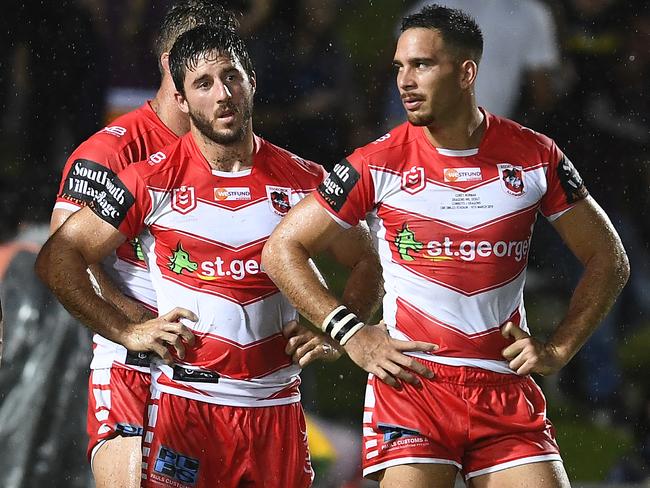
194,444
117,399
476,420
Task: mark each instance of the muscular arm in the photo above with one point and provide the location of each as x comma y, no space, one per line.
364,288
589,234
83,240
135,311
308,230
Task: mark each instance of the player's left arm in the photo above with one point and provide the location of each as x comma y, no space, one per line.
590,235
352,248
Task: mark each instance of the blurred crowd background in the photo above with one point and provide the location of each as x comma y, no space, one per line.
576,70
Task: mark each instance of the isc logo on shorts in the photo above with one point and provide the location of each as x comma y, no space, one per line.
176,466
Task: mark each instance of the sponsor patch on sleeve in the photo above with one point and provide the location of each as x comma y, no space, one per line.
85,180
112,203
571,181
338,185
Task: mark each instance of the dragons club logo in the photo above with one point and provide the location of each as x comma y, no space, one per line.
183,199
512,179
279,199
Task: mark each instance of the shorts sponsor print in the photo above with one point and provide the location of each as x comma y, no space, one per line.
476,420
193,444
116,405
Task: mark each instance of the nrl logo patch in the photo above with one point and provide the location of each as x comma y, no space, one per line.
413,180
512,179
279,199
183,199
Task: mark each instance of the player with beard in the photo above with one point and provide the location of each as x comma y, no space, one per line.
120,379
452,196
225,404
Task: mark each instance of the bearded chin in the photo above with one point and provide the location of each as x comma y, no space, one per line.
224,137
419,120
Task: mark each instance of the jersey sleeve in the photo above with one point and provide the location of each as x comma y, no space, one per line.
348,192
124,202
565,186
86,172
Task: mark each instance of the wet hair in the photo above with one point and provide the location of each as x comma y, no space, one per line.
201,42
459,31
187,14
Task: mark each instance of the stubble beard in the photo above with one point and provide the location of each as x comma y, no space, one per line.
227,136
419,120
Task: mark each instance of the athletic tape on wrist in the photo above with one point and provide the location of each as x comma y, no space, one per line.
341,324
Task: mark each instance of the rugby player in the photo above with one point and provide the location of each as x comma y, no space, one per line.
119,380
452,196
224,405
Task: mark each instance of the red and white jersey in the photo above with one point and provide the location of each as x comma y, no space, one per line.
453,230
132,137
206,233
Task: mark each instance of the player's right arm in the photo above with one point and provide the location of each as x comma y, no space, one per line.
83,240
98,156
109,291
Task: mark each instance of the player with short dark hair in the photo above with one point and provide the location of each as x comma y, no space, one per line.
452,196
119,381
224,405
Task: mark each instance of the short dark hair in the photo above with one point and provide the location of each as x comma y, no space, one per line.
459,31
199,42
187,14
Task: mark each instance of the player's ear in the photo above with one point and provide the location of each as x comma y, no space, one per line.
182,102
468,73
164,62
253,79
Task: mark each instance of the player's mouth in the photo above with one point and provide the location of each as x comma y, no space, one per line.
227,115
412,103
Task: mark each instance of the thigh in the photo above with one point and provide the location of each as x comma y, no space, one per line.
118,463
419,476
116,405
509,427
412,426
279,456
192,443
550,474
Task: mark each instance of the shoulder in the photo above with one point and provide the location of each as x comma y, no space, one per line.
300,167
161,167
519,139
113,141
388,147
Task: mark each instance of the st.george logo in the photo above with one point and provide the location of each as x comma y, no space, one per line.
183,199
413,180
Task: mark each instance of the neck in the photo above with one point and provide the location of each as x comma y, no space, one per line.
233,157
165,106
463,129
